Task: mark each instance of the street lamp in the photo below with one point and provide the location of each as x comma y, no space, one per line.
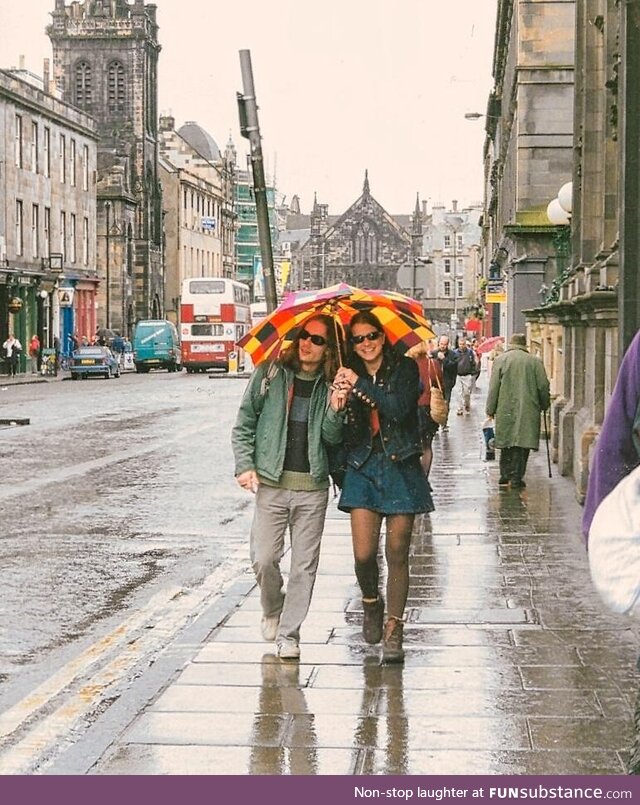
559,214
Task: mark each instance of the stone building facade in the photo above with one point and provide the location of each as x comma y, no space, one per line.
198,193
105,62
528,150
584,329
364,247
450,266
48,273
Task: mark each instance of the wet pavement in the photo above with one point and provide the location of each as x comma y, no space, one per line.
513,665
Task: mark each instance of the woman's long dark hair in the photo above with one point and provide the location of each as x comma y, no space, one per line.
389,355
290,357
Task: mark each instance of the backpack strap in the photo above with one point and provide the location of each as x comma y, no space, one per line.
271,372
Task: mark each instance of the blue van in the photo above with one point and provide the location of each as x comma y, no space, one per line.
156,346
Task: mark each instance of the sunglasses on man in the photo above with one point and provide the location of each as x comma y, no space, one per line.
317,340
374,335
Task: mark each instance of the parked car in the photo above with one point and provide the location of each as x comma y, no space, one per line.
95,360
156,346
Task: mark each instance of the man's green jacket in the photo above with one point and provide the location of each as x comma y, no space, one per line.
259,436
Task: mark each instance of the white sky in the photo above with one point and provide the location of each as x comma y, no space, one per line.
342,85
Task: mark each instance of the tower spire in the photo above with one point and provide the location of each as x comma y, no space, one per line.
417,218
365,188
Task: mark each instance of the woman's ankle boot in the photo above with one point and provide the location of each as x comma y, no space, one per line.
392,650
372,620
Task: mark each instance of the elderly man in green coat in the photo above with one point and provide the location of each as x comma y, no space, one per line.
518,392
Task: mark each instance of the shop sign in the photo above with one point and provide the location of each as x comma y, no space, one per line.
65,297
495,292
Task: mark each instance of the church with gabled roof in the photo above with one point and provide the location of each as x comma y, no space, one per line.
365,246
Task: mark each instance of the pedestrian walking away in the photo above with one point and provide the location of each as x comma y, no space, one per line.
383,479
466,369
11,349
518,393
288,415
449,365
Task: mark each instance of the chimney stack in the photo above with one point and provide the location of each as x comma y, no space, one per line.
454,205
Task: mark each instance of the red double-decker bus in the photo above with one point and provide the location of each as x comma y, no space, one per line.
214,315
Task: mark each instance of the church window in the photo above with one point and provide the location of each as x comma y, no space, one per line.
83,93
371,249
115,86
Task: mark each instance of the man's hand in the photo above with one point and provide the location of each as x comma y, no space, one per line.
248,480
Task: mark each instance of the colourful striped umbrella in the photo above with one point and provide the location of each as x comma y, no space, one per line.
401,317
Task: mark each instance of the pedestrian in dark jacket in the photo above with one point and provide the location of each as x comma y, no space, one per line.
449,366
287,416
384,479
518,392
466,367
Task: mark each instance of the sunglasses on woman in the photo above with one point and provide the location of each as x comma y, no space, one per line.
374,335
318,340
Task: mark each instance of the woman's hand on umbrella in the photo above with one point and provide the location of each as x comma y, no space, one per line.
248,480
345,375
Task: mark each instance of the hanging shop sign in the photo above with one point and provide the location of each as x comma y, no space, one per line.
15,305
495,292
65,297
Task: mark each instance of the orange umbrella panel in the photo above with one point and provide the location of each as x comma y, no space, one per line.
400,316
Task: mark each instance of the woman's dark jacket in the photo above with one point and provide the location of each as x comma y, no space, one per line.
395,396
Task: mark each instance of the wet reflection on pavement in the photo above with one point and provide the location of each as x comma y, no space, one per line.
512,664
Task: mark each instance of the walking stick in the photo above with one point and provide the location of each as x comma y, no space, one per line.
546,440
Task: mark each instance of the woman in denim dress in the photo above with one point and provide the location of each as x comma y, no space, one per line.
383,478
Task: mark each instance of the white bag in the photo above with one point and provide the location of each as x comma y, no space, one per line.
614,546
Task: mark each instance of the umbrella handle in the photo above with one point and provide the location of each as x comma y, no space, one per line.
335,324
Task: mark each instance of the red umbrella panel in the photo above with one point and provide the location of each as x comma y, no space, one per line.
400,316
489,343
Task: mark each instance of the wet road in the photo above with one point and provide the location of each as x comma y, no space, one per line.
118,498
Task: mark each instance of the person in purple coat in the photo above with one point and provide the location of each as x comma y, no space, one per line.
617,453
617,450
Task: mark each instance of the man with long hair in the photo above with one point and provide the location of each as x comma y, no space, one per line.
288,414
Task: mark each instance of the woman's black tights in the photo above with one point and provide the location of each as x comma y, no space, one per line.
365,531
